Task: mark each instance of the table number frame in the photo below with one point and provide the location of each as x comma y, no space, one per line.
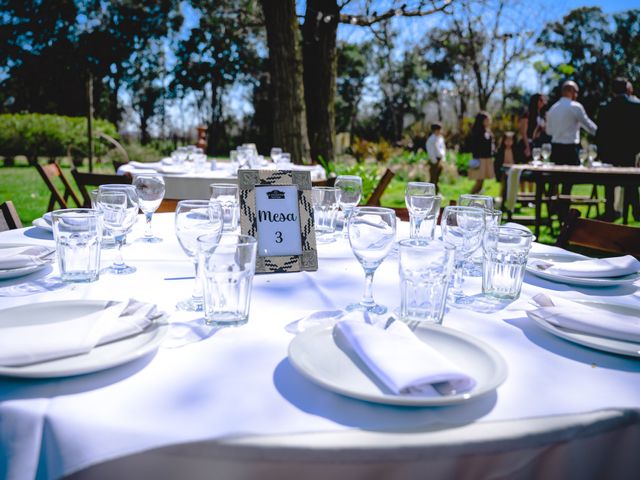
248,180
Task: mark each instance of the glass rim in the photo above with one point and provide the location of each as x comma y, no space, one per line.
323,187
349,177
144,175
196,202
79,212
464,208
422,243
205,239
516,232
370,208
116,186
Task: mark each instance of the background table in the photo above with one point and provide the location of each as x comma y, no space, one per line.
232,406
195,185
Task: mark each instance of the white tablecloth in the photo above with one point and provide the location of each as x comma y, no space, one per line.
195,185
238,384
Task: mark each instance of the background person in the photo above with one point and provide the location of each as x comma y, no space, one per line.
436,150
481,145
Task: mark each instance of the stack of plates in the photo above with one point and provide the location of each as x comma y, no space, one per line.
45,259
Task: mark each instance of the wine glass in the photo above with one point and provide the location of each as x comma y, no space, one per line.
536,153
192,219
462,227
372,233
119,217
481,201
583,156
275,154
349,196
150,190
592,153
546,152
421,201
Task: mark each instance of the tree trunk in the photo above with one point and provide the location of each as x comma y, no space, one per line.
285,68
144,128
320,68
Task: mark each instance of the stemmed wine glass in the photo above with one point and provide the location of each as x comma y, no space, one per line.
420,199
372,233
536,153
546,152
349,195
119,204
194,218
592,153
150,190
462,227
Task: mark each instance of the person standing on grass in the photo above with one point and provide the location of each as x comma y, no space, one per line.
436,150
481,145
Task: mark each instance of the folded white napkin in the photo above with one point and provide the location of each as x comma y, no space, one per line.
398,358
592,268
584,319
144,165
20,257
34,343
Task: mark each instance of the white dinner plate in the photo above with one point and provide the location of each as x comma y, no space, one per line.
100,358
315,355
599,343
7,273
43,224
569,280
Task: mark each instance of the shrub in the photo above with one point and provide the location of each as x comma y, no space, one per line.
36,134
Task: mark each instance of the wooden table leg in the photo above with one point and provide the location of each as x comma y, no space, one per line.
539,190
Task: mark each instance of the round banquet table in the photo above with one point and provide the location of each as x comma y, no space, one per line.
189,184
227,403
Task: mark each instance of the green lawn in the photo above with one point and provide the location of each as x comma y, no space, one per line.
26,189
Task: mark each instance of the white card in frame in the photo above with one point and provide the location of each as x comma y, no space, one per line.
276,208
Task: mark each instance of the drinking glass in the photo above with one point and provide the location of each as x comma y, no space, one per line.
506,251
349,195
425,273
462,227
325,206
372,233
78,233
194,218
150,190
118,217
284,160
227,264
592,153
275,154
546,152
199,161
536,153
583,156
226,194
482,201
422,204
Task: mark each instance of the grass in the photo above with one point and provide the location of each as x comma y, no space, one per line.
22,185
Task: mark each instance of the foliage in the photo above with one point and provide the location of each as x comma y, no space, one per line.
380,151
353,69
369,172
36,134
595,48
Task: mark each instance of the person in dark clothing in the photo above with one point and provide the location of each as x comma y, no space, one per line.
618,140
480,144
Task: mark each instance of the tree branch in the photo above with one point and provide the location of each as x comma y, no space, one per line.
420,11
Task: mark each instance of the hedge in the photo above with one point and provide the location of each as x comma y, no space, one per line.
35,134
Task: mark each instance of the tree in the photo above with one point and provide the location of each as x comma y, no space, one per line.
218,53
285,68
352,71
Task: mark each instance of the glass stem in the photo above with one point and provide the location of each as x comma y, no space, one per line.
148,231
196,295
457,276
414,224
119,261
367,296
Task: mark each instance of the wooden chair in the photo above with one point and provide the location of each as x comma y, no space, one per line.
167,205
374,199
49,172
116,165
329,182
599,237
84,180
9,219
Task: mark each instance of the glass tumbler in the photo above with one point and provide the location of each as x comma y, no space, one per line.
506,251
78,234
226,194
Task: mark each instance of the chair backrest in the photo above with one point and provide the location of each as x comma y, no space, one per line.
600,237
9,219
48,173
329,182
374,199
84,180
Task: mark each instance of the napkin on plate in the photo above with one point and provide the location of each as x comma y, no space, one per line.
40,342
583,319
592,268
144,165
398,358
20,257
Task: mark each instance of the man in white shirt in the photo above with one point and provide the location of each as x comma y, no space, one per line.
436,150
564,120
